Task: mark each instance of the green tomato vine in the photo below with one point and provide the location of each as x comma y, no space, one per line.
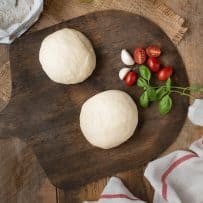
161,93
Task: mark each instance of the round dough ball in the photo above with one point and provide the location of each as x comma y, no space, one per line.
67,56
109,118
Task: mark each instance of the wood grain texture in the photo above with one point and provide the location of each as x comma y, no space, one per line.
167,19
45,114
191,49
22,179
21,175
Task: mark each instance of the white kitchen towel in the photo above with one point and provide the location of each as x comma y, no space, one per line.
9,10
195,112
116,192
178,177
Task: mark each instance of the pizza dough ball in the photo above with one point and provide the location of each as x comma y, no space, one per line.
67,56
109,118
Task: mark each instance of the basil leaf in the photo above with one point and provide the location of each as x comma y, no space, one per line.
142,82
160,92
144,101
151,93
168,85
145,72
165,105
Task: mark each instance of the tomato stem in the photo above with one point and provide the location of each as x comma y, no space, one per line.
191,88
182,90
183,93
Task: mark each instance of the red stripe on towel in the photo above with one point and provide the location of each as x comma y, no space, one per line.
170,169
115,196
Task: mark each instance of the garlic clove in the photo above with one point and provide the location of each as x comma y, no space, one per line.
126,58
123,72
195,112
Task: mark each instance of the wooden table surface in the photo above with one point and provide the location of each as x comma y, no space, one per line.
22,180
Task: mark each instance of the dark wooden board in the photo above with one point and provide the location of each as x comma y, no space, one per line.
46,114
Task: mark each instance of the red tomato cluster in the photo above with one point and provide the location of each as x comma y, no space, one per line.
148,55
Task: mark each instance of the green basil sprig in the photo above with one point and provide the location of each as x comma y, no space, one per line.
161,93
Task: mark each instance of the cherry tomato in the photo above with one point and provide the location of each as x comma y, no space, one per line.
153,64
139,55
153,51
130,78
165,73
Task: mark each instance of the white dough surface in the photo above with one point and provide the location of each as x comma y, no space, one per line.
67,56
109,118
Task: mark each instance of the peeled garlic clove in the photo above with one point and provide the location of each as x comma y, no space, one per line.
126,58
123,72
195,112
